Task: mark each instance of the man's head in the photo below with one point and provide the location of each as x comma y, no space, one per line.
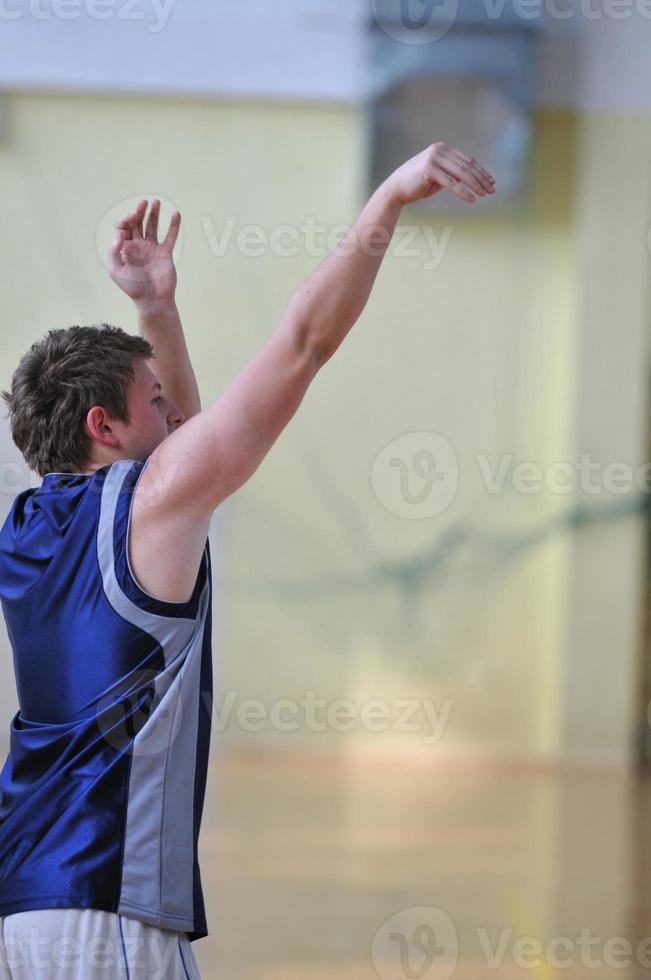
83,397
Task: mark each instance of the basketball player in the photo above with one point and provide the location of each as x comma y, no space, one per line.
105,583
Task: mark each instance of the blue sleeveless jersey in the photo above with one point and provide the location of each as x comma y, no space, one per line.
102,792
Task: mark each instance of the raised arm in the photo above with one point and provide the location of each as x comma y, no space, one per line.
334,296
144,269
215,452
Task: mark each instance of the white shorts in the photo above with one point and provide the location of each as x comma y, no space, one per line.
88,944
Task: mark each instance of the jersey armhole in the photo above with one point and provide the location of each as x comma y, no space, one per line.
187,609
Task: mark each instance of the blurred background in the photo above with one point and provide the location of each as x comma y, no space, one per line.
431,644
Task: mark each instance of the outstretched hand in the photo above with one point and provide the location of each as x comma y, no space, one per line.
138,263
440,167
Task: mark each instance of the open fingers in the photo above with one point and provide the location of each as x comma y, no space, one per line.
151,228
136,220
173,231
474,167
469,171
124,225
451,183
114,252
464,167
131,224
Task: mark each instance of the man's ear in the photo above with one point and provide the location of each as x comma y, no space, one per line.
100,427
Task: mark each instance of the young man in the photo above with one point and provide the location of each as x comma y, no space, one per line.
105,584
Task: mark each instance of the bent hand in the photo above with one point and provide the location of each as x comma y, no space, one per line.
138,263
440,167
